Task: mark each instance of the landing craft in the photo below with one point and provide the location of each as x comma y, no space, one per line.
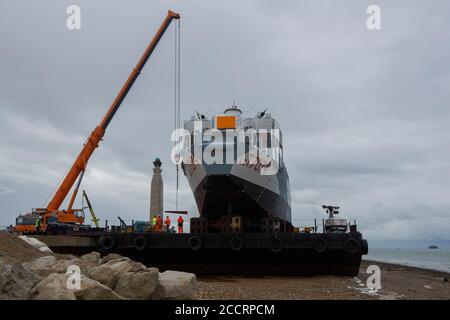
240,172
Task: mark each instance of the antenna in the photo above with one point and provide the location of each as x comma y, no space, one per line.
200,116
331,210
262,114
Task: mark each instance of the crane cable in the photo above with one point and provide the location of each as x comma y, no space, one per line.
177,80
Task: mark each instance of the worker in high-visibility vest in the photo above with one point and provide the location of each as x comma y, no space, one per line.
159,223
154,220
37,224
167,223
180,224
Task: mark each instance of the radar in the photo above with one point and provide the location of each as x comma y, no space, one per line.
331,210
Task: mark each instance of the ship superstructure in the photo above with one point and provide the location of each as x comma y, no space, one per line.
235,168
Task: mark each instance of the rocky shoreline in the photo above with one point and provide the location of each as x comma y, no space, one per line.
28,272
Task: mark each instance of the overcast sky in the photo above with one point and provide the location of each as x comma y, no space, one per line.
365,114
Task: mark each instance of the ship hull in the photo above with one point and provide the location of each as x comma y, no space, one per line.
239,190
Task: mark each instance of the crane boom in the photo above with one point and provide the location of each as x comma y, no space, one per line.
78,167
91,210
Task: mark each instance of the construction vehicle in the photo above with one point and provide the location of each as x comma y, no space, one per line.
73,219
25,224
91,210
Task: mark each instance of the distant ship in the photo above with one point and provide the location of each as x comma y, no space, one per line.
255,185
433,247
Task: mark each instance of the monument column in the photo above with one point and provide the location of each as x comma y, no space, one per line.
156,191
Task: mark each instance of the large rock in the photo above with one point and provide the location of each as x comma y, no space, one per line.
62,265
135,266
57,286
138,285
93,257
175,285
68,257
15,281
94,290
53,287
109,272
45,250
42,266
41,246
109,257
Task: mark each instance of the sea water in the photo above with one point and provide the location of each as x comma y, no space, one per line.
434,259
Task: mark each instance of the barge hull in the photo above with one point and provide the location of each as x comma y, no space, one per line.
221,254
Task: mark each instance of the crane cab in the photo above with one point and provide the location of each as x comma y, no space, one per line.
25,223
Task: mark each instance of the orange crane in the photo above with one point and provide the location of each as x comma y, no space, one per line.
75,216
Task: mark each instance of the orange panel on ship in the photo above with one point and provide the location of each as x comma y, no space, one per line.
226,122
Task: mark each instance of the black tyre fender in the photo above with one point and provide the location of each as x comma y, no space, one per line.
237,243
364,246
351,246
320,245
140,243
276,244
194,243
107,243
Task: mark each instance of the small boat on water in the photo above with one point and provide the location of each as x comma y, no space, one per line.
433,247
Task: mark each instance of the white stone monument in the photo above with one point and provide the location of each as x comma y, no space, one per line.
156,191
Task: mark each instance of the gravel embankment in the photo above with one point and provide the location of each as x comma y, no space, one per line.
11,246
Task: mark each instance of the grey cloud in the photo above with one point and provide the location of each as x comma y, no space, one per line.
364,114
